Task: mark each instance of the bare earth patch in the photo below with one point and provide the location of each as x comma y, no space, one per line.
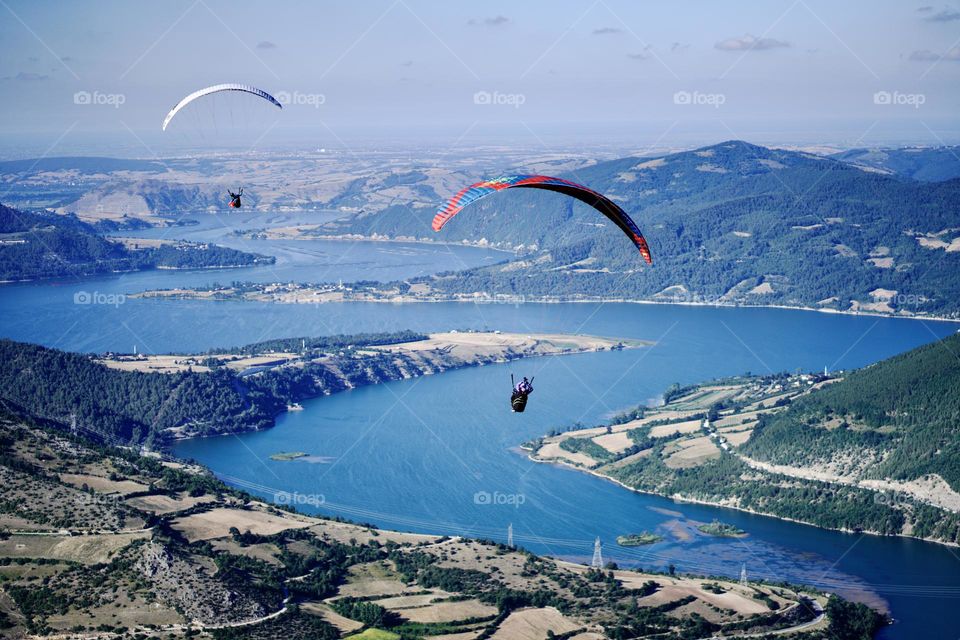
932,489
614,442
216,523
761,289
694,452
161,504
345,625
533,624
342,532
664,430
552,451
90,549
738,438
103,485
448,611
650,164
471,345
374,579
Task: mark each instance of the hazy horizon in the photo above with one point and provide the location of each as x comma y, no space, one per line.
586,75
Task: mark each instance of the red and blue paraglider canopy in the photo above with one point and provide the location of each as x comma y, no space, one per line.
598,201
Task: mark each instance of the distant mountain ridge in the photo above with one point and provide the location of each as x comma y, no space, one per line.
928,164
45,245
731,223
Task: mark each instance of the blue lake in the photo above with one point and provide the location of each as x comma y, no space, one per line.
439,454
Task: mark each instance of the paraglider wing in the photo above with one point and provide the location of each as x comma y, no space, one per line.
216,89
598,201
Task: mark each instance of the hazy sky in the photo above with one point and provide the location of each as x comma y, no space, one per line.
803,70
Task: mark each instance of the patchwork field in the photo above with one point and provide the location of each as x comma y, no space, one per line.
217,523
216,563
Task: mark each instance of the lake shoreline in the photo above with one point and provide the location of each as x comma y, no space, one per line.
94,276
400,299
531,455
447,351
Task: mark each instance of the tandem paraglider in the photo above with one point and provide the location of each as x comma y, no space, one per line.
521,391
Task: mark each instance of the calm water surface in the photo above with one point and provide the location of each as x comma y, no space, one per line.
438,454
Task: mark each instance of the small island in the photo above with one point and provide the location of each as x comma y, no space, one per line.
721,530
289,455
638,539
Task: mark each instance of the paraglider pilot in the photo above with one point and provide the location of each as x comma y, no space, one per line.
235,198
521,390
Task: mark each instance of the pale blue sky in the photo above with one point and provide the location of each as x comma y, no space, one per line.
795,70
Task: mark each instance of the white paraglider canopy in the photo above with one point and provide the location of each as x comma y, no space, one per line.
245,88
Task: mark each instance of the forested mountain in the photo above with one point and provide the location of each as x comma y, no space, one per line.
877,449
124,406
929,164
41,245
898,419
730,223
139,407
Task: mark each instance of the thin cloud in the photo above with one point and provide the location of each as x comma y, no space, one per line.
607,31
679,47
925,55
750,43
28,76
406,63
266,44
496,21
643,55
924,9
945,15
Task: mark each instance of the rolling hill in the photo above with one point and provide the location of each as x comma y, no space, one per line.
877,449
730,223
929,164
44,245
898,420
100,542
